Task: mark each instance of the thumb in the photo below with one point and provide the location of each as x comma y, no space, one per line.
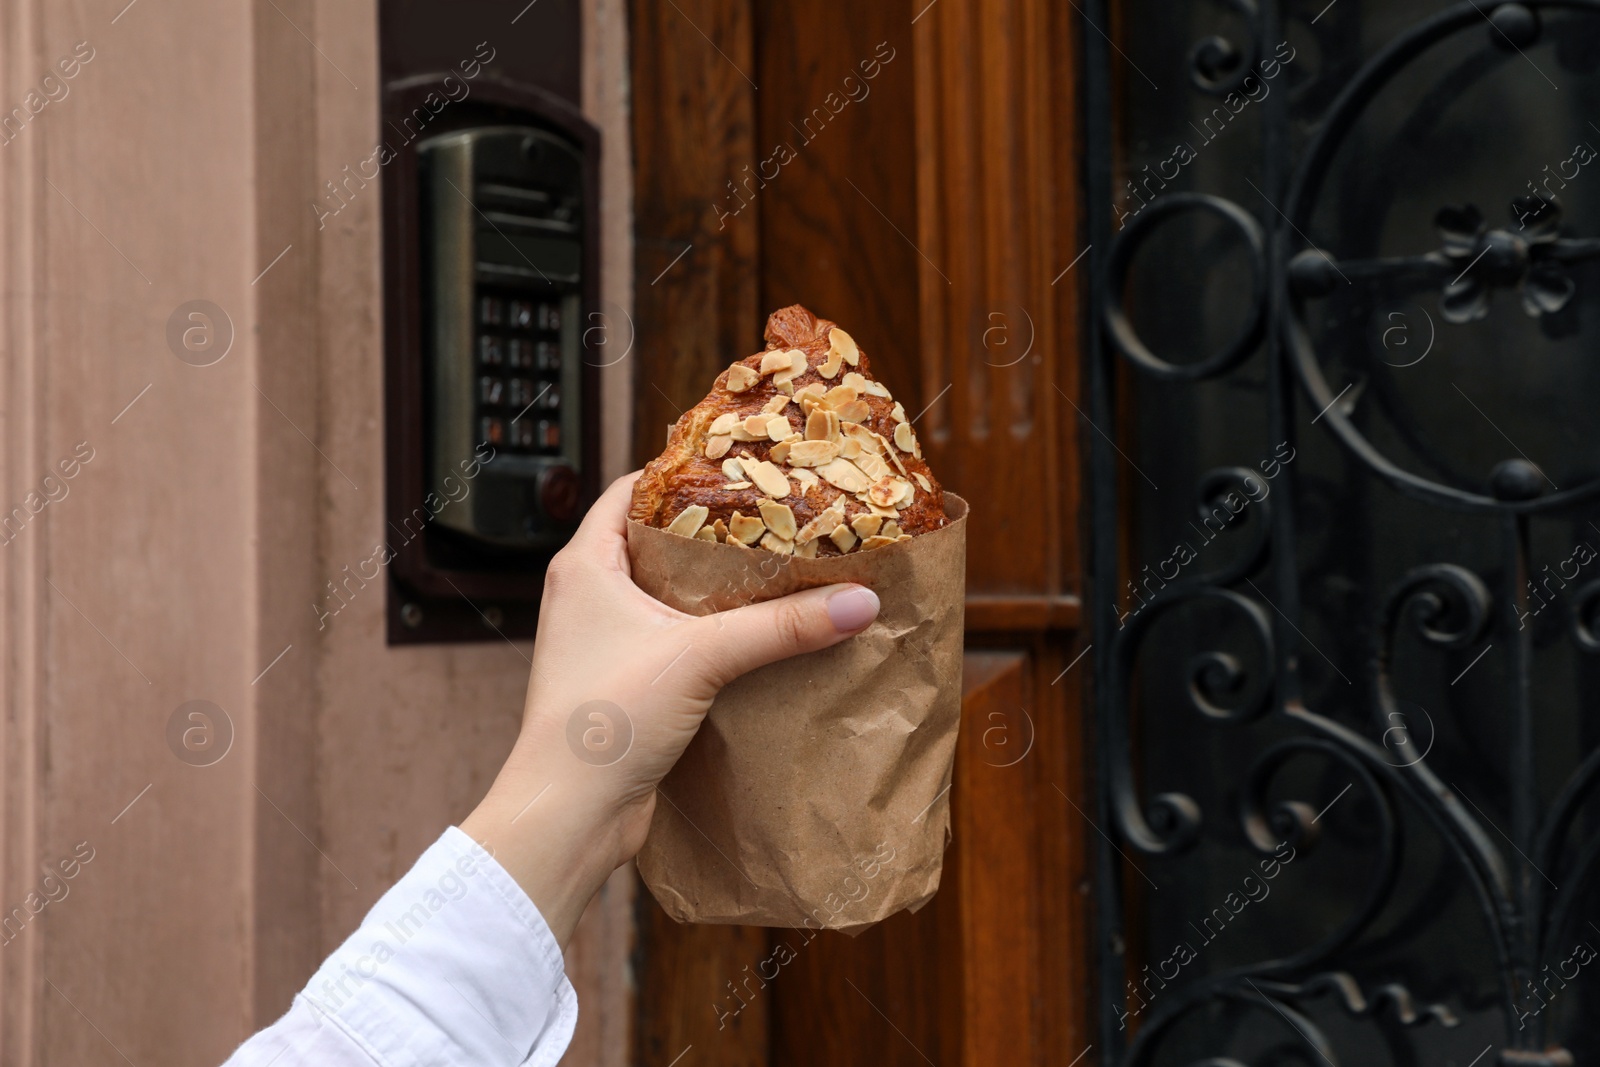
758,634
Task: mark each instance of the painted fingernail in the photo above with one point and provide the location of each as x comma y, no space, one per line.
852,609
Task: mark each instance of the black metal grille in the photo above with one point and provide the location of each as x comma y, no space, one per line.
1345,568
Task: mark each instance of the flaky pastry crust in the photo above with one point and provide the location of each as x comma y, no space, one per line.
841,471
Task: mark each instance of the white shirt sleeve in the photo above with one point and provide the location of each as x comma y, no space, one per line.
453,967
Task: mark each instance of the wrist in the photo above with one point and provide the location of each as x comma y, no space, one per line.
557,843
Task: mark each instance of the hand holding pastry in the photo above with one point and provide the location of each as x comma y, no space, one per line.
559,819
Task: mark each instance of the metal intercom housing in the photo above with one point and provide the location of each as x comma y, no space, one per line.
491,270
504,232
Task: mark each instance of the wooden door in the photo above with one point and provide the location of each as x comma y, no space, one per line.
904,169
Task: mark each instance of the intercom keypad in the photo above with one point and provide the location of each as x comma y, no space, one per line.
519,383
506,259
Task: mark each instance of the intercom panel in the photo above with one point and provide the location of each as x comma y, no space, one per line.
491,270
504,226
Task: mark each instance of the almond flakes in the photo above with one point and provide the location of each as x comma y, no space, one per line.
845,345
839,395
866,525
688,521
773,543
797,367
822,425
769,479
778,517
827,520
845,475
855,411
747,529
812,453
873,466
884,492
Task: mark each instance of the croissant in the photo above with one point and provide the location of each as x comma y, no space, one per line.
797,450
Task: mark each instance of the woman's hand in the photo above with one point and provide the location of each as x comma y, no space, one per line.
620,684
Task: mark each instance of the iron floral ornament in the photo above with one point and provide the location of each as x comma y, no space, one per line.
1529,258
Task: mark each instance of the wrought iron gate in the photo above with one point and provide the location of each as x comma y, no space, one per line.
1345,491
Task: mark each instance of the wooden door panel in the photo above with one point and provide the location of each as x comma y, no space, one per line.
695,281
836,98
957,982
696,309
930,208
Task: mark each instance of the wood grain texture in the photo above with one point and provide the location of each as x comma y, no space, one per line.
928,208
995,862
695,311
838,218
838,234
698,1001
1021,613
992,970
695,283
997,223
929,987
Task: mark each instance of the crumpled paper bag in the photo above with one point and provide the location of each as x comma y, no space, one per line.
816,793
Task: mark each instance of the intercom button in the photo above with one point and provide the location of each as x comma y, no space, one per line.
491,310
491,350
522,314
492,430
559,492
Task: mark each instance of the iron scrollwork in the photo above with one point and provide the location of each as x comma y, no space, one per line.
1444,606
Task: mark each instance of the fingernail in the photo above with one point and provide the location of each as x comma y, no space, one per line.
852,609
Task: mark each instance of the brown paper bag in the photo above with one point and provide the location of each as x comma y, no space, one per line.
816,793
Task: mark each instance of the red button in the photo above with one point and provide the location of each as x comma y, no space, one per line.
558,493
